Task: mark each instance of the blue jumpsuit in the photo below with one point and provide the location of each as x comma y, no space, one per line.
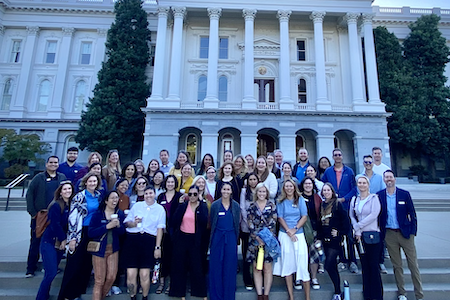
223,258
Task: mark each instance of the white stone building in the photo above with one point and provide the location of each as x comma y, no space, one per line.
241,75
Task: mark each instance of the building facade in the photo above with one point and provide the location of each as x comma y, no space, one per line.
237,75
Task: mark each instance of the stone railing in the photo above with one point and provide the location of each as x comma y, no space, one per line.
406,10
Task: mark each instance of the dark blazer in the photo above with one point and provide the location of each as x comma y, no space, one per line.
173,208
201,223
97,228
347,187
406,214
235,210
36,194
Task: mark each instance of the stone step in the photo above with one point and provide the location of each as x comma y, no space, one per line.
435,276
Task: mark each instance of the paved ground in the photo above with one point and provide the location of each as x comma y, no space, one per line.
432,241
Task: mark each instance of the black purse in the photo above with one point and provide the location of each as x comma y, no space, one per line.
371,237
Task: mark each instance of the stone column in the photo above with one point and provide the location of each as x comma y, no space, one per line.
287,145
99,56
286,102
248,144
2,33
56,106
355,59
160,56
249,101
325,146
371,63
209,144
211,99
173,100
19,107
322,102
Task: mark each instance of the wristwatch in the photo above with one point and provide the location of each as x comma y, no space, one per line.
158,248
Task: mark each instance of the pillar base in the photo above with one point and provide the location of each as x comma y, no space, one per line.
159,102
326,106
211,102
369,107
248,103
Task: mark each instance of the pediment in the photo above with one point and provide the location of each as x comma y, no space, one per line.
266,43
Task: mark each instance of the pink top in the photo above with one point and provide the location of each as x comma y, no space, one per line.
188,222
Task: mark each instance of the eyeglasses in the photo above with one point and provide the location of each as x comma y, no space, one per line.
141,183
192,194
367,162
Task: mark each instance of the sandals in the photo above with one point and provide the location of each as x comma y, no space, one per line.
160,288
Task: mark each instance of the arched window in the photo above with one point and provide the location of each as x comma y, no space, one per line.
191,147
7,94
302,91
223,88
80,96
43,96
201,95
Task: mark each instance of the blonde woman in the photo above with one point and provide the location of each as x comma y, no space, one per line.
241,169
204,194
292,215
112,170
261,213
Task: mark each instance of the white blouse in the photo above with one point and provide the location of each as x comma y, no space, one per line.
153,217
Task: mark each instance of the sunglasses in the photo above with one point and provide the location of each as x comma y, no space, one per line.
368,162
141,183
337,154
192,194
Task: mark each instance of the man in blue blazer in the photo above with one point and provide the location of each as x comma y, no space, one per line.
398,224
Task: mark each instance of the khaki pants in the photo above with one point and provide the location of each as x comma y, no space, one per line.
394,243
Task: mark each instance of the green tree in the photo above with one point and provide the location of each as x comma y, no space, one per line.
113,118
19,150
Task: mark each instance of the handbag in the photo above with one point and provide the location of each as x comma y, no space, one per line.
308,231
42,220
371,237
94,246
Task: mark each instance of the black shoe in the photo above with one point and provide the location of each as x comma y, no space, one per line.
29,275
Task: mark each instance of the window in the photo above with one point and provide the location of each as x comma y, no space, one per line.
152,55
15,52
44,95
201,94
51,52
301,50
223,48
191,147
80,95
223,88
7,94
265,90
204,46
86,48
302,91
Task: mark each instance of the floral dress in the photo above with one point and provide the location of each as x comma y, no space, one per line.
255,219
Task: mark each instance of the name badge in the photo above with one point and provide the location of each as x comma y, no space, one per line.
222,213
76,171
402,202
267,208
163,202
104,221
48,179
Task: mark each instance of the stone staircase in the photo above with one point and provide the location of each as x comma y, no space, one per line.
435,276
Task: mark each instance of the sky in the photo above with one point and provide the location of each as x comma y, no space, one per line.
413,3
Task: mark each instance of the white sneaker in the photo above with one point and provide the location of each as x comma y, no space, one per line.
298,285
116,290
315,284
336,297
402,297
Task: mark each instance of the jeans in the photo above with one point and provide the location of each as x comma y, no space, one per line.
51,257
33,252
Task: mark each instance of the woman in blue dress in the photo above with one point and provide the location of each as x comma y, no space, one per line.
225,218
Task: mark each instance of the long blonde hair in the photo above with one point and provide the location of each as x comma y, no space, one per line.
260,186
109,167
244,168
283,195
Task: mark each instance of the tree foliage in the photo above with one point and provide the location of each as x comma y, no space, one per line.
412,84
113,118
19,150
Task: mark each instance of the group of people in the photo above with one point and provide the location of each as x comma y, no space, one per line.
291,220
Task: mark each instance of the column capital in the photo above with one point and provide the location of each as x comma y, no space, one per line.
249,14
33,30
351,18
317,16
214,13
179,12
102,32
163,11
68,31
367,18
284,15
